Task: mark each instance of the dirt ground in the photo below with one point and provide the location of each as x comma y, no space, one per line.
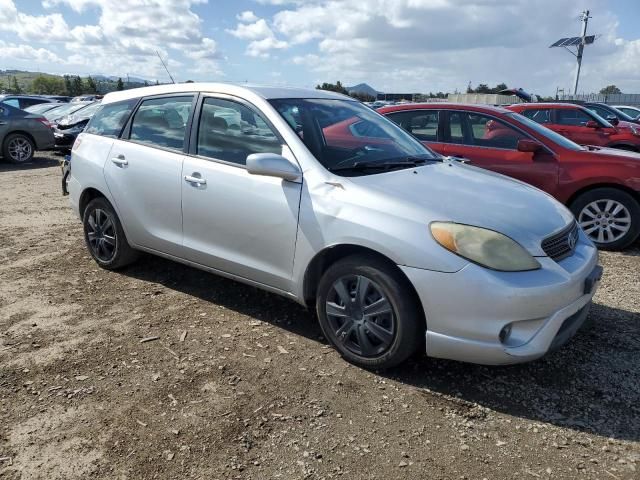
240,384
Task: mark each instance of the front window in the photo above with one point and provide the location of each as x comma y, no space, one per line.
348,137
545,132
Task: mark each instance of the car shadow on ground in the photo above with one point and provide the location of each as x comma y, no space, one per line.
36,163
592,384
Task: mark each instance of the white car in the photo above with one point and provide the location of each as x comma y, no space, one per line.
396,247
633,112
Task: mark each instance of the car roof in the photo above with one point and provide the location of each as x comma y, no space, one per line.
17,95
443,106
240,90
544,105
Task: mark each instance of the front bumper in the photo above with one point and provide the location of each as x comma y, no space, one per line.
482,316
64,140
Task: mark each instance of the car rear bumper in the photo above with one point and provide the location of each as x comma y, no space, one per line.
482,316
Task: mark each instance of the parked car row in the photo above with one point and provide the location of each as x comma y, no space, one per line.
314,196
22,132
600,185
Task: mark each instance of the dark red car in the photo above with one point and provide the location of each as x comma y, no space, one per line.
582,125
600,185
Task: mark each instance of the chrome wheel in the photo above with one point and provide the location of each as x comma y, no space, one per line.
605,221
360,316
101,234
20,149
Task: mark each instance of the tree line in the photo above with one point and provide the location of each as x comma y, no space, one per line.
67,85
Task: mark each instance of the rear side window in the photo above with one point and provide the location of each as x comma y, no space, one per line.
161,122
492,133
539,115
423,124
109,120
572,116
456,131
230,131
13,102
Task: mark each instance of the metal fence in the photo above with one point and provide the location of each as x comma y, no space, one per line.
483,98
632,99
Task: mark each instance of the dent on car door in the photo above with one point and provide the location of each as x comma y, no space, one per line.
233,221
144,173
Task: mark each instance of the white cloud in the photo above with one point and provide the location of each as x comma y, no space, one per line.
125,37
261,37
27,53
428,45
247,16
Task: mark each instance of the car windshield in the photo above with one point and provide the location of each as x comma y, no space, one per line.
621,115
64,109
545,132
349,137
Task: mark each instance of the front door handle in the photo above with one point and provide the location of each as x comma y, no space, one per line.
120,160
195,180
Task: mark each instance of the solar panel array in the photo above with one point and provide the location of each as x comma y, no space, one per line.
574,41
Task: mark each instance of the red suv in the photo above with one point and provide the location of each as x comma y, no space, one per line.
600,185
582,125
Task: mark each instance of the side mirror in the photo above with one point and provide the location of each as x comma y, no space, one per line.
273,165
527,145
613,120
592,124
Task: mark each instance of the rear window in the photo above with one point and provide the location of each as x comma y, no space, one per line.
109,120
162,122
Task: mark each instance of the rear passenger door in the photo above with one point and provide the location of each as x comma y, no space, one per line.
491,143
235,222
423,124
144,172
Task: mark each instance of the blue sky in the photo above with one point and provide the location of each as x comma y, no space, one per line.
394,45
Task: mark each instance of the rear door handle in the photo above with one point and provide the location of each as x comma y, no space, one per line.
120,160
195,180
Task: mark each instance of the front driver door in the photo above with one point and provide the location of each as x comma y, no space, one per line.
235,222
492,144
572,123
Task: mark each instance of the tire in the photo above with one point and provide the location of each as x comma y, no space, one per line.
18,148
105,237
397,331
610,217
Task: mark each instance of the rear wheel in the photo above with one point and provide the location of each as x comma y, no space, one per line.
368,311
18,148
105,237
610,217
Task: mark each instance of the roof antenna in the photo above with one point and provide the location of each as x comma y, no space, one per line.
165,67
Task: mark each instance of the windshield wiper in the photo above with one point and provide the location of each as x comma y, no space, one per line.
409,162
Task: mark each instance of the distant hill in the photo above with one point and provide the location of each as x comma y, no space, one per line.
363,88
103,83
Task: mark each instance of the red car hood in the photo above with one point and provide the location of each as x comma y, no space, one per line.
613,152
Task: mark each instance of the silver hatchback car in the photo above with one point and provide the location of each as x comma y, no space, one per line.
314,196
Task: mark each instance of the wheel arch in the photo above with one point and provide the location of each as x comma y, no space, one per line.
21,132
87,195
330,255
574,196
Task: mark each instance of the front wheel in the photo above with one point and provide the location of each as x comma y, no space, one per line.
105,237
369,313
609,217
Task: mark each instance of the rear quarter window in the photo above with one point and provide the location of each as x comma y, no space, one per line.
110,119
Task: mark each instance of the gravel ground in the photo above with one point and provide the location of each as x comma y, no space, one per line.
240,384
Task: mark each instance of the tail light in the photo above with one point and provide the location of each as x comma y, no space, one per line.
45,122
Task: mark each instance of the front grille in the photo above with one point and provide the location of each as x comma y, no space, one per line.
562,244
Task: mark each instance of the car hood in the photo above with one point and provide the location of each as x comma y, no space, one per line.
456,192
616,153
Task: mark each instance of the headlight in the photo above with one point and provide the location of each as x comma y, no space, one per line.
485,247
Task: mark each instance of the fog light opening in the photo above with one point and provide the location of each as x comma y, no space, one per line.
505,333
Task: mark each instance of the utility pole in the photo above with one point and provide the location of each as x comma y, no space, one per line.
584,17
